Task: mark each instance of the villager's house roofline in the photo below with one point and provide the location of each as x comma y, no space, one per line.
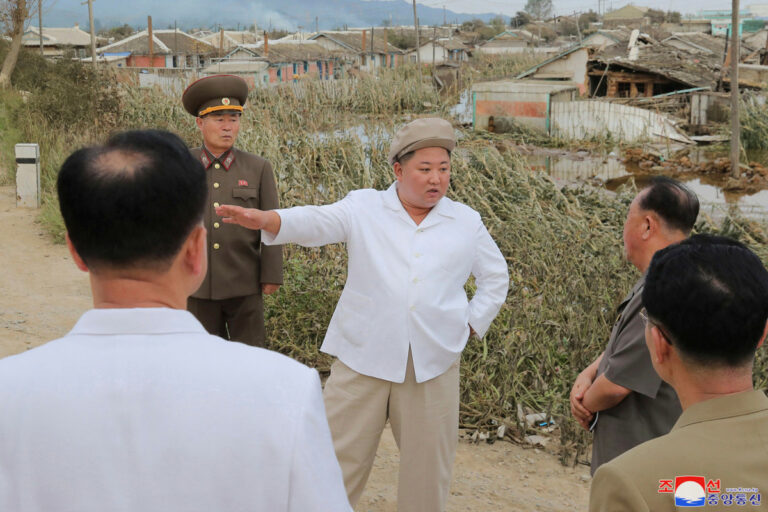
288,52
549,61
53,36
165,42
352,41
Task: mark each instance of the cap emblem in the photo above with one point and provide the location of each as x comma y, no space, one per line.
225,101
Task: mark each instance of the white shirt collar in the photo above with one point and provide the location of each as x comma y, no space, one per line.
392,201
137,321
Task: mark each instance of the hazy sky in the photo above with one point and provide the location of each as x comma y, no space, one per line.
65,12
510,7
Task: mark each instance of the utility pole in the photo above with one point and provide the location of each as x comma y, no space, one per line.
434,43
40,24
317,24
735,126
93,31
418,44
151,41
444,18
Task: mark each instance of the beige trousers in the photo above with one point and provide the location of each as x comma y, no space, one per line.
425,424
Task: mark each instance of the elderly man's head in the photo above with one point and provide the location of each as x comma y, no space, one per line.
662,213
132,203
707,299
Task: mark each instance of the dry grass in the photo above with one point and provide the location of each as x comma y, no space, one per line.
563,246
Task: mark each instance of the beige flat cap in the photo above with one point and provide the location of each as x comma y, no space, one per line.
427,132
215,93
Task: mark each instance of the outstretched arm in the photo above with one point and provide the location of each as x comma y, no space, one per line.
250,218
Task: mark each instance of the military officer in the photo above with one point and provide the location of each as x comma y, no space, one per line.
240,270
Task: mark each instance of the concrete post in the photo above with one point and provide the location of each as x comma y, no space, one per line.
28,175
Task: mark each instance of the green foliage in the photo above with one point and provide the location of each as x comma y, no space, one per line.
403,39
753,117
567,27
539,9
520,19
587,18
118,33
658,16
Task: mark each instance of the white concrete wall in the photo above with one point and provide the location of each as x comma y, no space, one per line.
587,119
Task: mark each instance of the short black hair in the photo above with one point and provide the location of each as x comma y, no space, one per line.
407,156
710,295
677,205
133,201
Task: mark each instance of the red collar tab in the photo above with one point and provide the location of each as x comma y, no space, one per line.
226,159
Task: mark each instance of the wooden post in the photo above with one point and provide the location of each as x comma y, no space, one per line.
93,30
151,42
40,24
434,43
221,42
93,33
418,44
735,126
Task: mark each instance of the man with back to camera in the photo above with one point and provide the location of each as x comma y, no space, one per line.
706,310
403,317
138,408
241,269
619,396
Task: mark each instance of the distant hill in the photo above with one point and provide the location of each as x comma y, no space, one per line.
285,14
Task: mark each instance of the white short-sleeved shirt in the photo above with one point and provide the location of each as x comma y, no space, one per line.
405,282
141,409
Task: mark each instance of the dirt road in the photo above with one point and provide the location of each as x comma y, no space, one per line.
43,294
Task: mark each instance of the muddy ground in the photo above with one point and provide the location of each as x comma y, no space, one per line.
43,294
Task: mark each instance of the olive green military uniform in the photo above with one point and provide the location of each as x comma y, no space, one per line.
229,302
237,261
722,441
651,407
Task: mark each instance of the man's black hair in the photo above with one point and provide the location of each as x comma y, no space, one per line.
677,206
710,295
133,201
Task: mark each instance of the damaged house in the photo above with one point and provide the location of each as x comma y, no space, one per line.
637,67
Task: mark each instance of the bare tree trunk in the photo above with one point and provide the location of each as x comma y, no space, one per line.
18,16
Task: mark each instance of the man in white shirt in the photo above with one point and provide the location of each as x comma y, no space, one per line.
403,317
138,408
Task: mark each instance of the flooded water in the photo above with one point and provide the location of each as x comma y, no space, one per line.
610,172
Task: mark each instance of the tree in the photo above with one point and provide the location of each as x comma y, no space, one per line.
656,16
673,17
521,19
539,9
13,14
498,24
117,33
587,18
567,27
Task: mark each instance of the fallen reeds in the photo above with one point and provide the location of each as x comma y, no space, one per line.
563,245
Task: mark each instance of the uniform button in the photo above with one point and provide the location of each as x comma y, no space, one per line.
217,166
417,255
216,246
216,225
415,279
419,230
215,185
413,308
215,205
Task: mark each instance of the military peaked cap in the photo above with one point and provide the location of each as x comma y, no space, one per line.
215,93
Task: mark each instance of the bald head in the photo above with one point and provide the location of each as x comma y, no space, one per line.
132,202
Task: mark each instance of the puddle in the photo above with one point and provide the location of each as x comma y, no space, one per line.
611,172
